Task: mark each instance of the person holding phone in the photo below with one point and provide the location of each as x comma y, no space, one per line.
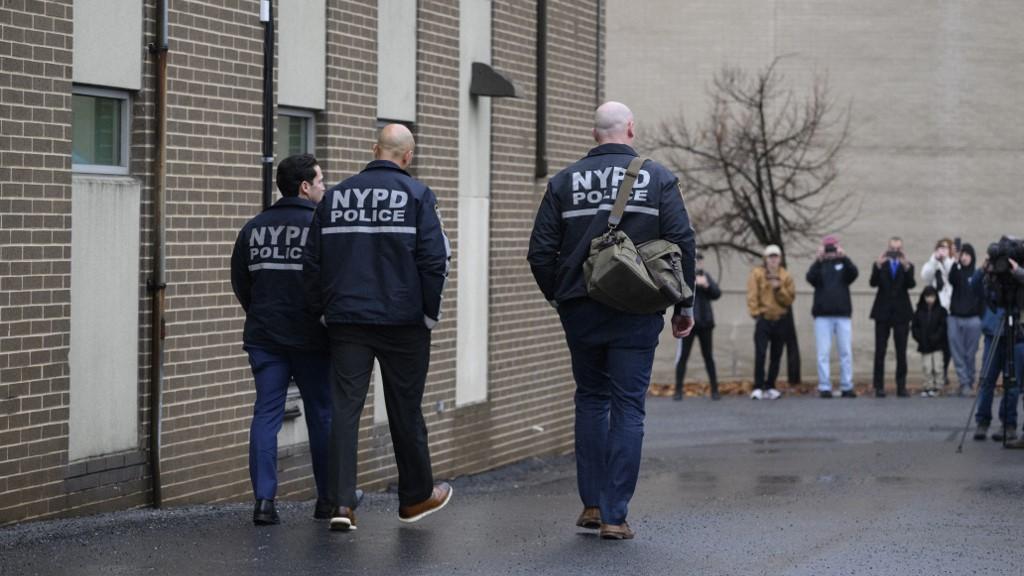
770,293
703,325
893,275
831,275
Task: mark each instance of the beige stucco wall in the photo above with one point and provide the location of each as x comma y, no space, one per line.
935,90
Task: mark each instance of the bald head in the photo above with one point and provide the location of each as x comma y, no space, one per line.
613,123
395,143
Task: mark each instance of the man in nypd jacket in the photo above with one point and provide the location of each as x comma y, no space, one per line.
612,351
282,335
376,264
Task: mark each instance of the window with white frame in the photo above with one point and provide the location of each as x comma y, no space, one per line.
296,133
99,130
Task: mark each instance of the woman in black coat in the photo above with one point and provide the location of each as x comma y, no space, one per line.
703,325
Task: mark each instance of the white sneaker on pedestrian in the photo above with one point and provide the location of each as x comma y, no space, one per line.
925,393
773,394
756,394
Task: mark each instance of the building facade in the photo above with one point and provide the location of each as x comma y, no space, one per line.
931,88
77,228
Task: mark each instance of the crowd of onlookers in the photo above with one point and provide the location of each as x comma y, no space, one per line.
954,313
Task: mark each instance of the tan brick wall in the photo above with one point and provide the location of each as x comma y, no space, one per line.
35,256
213,187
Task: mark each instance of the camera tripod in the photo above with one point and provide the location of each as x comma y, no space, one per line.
1006,335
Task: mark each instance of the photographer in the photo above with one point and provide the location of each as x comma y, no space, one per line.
831,275
997,358
893,276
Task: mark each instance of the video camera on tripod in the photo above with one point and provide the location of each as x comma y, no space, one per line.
1004,289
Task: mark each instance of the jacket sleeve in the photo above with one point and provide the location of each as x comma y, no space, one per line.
915,329
786,293
850,271
311,284
241,282
753,308
911,281
814,273
676,228
713,291
433,257
876,270
929,269
545,243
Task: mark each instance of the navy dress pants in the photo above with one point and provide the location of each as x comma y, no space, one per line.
273,370
612,354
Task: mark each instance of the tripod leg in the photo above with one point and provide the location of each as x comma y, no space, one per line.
985,367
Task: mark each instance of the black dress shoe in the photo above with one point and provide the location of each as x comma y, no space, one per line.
879,393
265,514
902,393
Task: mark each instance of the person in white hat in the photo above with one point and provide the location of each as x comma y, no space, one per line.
770,293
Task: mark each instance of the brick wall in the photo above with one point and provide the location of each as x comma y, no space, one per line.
213,187
35,255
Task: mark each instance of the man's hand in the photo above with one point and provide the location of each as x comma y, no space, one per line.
882,259
702,281
682,326
1013,264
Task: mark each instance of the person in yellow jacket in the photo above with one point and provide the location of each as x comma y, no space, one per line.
770,293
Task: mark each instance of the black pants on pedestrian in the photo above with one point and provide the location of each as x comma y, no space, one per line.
703,335
404,356
769,338
899,335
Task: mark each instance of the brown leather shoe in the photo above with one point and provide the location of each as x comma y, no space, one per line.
438,499
343,519
616,531
590,518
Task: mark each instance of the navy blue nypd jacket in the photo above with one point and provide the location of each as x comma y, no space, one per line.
266,274
377,253
575,210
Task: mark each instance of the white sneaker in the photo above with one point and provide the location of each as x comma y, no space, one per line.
773,394
756,395
925,393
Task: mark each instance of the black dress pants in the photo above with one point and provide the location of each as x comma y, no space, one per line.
703,335
768,334
899,330
404,356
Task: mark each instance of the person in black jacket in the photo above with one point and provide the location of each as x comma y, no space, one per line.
893,275
966,304
612,351
831,275
929,330
283,336
376,263
703,326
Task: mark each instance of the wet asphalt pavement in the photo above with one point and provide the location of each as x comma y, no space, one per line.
800,486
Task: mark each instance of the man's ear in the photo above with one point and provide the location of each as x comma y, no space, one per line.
407,157
629,129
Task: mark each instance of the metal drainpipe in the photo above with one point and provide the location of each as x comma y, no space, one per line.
541,160
267,17
158,283
599,51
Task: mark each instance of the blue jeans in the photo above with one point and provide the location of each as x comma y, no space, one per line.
1008,405
612,354
824,328
273,371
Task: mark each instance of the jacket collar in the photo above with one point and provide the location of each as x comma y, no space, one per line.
288,201
384,165
612,149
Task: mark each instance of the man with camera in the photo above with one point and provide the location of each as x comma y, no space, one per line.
1004,288
770,293
831,275
612,350
893,275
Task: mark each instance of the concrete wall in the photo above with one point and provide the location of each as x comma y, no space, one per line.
933,87
108,43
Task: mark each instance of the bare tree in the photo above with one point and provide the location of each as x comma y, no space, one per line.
760,169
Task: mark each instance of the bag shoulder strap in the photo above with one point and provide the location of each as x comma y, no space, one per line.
625,190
